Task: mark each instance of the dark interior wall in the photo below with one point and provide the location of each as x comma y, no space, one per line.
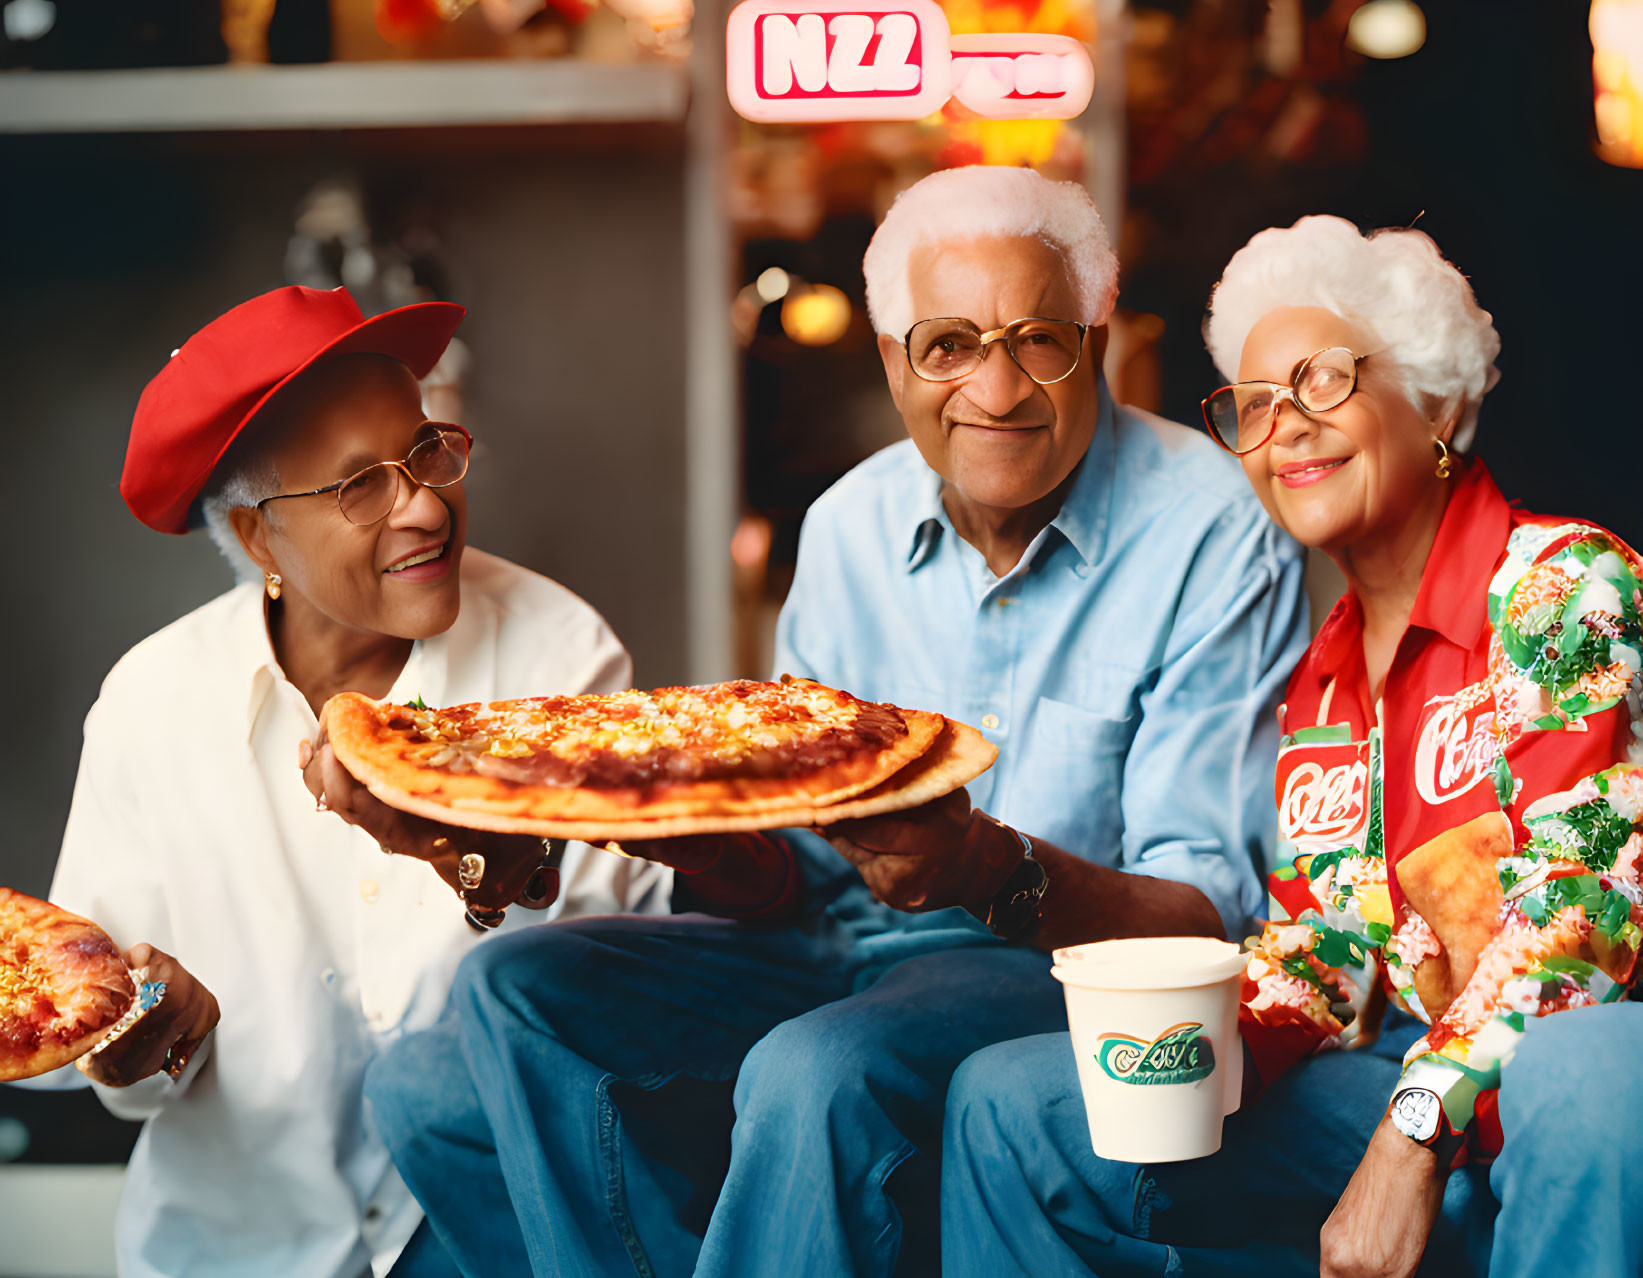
1483,140
114,249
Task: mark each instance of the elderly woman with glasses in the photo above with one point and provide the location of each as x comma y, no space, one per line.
291,949
1460,791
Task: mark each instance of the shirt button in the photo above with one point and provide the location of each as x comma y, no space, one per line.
989,721
369,890
373,1213
1004,601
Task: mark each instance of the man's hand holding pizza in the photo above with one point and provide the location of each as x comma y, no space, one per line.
733,876
937,855
513,871
167,1035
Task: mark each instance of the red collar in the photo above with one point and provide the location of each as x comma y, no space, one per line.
1475,525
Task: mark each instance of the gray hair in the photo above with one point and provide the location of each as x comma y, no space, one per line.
1395,283
983,200
243,477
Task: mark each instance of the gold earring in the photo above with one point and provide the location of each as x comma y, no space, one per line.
1446,463
271,580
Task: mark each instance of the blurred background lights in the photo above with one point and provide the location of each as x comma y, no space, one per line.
1386,29
772,284
816,316
27,20
1617,79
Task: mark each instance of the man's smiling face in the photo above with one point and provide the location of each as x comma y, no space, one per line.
995,436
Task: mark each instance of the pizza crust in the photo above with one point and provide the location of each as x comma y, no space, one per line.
75,966
956,757
384,761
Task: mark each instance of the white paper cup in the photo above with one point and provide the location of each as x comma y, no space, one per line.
1154,1025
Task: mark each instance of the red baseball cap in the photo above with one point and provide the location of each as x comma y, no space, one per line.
219,379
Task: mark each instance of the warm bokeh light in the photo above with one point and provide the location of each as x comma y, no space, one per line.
1387,29
1617,79
772,284
816,316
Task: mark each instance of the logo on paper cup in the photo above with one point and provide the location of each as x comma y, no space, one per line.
1181,1054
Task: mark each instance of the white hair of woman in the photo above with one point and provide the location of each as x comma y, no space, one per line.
244,478
1415,306
987,201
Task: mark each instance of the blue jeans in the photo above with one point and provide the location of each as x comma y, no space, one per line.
1023,1194
687,1095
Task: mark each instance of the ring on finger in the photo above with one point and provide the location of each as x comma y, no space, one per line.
470,873
482,918
535,890
177,1057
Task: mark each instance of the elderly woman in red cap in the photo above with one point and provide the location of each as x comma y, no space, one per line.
290,947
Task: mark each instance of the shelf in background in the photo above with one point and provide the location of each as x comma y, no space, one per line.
341,95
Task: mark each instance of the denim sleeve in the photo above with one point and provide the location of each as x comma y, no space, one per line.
1197,801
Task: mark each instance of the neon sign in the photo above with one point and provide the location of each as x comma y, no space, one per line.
809,61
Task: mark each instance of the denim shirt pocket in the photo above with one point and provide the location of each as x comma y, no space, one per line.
1067,781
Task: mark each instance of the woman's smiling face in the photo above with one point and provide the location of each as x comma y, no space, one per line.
397,576
1353,473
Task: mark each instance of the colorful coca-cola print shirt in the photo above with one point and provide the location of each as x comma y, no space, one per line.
1471,844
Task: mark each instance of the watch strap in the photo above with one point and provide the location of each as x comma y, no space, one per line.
1013,914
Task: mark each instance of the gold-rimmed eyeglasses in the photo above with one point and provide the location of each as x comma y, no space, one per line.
945,349
366,497
1242,417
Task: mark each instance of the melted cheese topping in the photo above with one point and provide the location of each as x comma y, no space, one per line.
726,721
56,983
23,979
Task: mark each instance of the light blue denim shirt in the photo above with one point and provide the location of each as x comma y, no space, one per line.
1129,668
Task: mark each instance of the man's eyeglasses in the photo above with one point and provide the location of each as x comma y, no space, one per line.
367,497
943,350
1241,418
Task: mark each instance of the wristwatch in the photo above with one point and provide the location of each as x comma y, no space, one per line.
1013,914
1418,1113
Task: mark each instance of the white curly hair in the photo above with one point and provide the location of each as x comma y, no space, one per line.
1395,283
982,200
243,481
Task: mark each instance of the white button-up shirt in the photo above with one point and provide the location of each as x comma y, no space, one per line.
191,829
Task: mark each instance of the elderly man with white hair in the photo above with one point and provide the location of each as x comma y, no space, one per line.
1461,825
1091,586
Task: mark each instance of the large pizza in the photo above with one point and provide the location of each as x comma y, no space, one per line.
732,756
63,984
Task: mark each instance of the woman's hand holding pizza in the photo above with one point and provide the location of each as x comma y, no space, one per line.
940,854
166,1035
514,869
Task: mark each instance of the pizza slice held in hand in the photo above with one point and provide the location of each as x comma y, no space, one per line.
63,985
743,755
